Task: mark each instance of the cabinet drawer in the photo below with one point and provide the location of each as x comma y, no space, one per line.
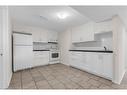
40,61
41,54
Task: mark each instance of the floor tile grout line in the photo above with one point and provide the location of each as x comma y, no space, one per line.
64,84
93,78
21,81
60,82
55,78
75,82
47,81
33,80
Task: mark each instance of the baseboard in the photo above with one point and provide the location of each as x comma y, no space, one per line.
9,80
64,64
122,76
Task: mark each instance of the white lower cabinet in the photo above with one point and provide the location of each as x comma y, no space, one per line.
93,62
108,65
41,58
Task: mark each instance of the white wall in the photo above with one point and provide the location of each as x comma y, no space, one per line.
118,49
1,48
126,50
64,39
7,49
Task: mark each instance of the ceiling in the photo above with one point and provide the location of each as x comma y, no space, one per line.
46,16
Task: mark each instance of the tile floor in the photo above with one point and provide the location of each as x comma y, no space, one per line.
59,76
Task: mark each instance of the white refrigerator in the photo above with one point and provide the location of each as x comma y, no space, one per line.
22,51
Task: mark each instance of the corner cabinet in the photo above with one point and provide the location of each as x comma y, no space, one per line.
83,33
94,62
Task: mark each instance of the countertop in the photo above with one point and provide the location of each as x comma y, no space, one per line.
100,51
42,50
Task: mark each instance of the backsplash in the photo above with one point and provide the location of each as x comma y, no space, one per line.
101,40
40,46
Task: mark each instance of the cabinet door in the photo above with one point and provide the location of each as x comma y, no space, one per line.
43,36
99,64
41,58
87,32
105,26
55,36
76,59
94,62
104,65
108,65
76,35
36,36
86,61
52,36
83,33
40,36
1,71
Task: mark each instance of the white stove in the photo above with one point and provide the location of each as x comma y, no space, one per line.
54,56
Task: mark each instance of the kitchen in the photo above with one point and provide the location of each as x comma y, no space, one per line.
65,47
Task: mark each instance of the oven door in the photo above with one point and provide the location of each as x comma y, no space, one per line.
54,56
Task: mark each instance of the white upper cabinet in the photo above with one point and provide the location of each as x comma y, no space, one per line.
40,36
105,26
45,36
36,37
83,33
52,36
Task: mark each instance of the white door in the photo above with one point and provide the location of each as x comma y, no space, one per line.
75,35
1,71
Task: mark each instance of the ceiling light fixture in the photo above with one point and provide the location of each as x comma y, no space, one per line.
62,15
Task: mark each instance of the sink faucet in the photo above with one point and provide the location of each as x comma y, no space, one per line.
105,48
